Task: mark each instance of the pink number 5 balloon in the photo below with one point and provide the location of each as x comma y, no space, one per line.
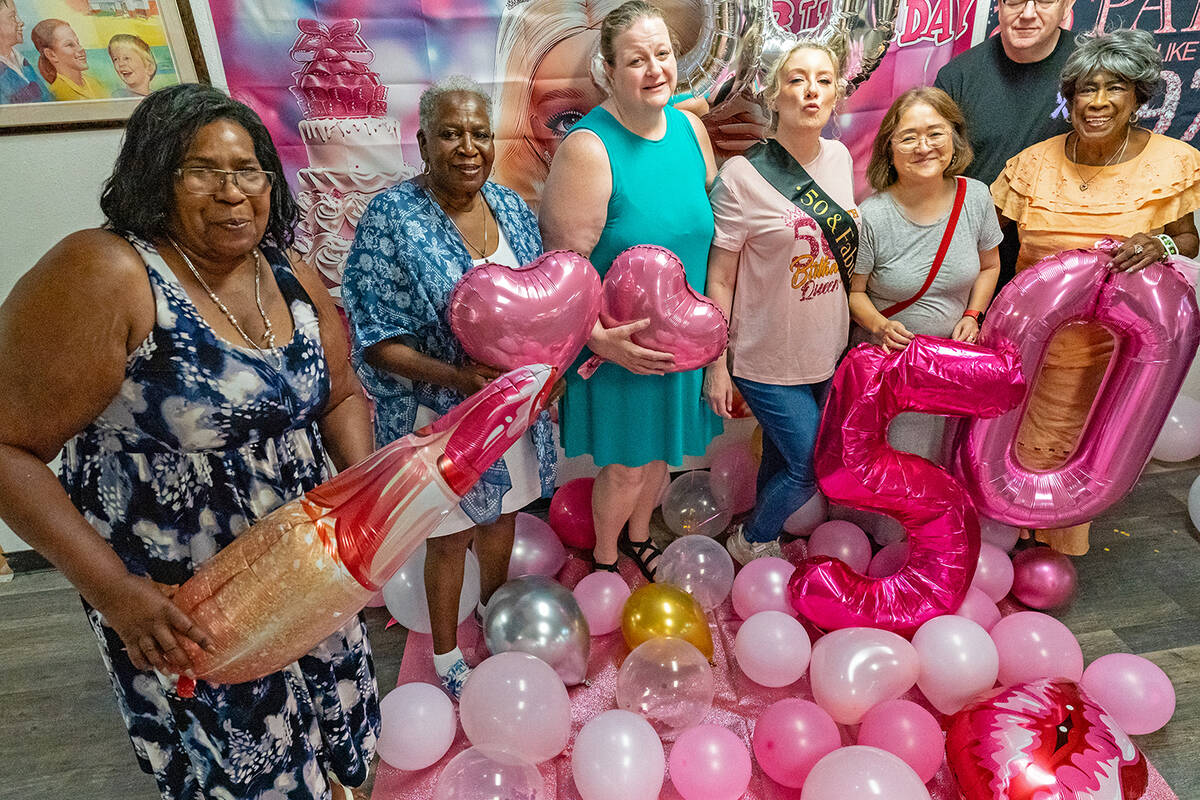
857,467
1152,314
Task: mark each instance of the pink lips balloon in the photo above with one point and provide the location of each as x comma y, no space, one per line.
540,313
649,282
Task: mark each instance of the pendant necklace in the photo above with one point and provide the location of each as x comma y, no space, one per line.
1084,182
482,251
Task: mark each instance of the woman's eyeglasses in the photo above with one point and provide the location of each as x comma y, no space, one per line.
935,141
203,180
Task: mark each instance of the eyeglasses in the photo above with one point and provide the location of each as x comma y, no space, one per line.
1023,3
203,180
936,141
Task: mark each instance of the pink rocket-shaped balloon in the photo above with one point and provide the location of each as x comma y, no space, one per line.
303,571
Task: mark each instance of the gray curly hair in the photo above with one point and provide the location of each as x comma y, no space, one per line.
1128,54
453,83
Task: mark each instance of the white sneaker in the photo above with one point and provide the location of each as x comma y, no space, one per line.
744,552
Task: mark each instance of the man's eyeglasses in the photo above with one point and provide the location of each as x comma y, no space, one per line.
203,180
1023,3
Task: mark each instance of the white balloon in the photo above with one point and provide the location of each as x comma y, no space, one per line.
618,756
1179,439
404,593
418,727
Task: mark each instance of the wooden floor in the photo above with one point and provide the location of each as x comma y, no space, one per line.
61,737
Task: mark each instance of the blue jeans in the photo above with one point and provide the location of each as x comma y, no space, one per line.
789,416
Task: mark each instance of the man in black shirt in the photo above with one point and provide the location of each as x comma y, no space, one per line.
1007,88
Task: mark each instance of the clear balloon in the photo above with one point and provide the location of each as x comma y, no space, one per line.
979,608
808,516
993,572
1043,578
863,773
734,476
1179,439
699,566
889,560
762,586
1135,691
601,596
842,540
537,615
517,703
618,756
958,661
854,669
405,598
479,773
709,762
1003,536
772,648
691,506
659,609
667,681
536,549
790,737
1032,646
418,725
908,732
571,513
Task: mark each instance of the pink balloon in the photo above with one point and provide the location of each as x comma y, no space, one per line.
1043,578
762,586
856,466
979,608
601,596
1152,314
649,282
1032,645
854,669
959,661
709,762
790,737
418,725
1179,439
808,516
993,572
516,702
842,540
571,513
536,549
889,560
1003,536
772,649
487,774
862,773
734,476
618,756
1133,690
540,313
908,731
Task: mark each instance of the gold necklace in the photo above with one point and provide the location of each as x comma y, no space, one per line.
1084,182
482,251
268,330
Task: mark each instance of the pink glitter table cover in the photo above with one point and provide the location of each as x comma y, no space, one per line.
736,705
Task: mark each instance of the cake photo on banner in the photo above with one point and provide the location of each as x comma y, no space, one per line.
353,147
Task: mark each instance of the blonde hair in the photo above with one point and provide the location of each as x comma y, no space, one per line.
138,45
775,77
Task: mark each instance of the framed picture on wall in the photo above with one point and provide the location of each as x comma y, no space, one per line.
69,64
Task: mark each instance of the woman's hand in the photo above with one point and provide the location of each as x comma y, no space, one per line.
736,126
472,376
967,330
616,345
718,388
1137,252
150,625
892,335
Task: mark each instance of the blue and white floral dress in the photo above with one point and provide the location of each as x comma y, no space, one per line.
203,439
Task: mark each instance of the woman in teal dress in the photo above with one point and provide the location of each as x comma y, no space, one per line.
633,171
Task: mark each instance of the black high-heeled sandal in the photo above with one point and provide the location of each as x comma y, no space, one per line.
600,566
642,553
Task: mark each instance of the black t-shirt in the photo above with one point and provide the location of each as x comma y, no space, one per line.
1008,106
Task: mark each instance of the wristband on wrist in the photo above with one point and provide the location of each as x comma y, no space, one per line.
1169,246
975,315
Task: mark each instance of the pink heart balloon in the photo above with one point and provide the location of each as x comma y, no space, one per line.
649,282
539,313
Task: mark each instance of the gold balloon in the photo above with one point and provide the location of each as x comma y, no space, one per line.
659,609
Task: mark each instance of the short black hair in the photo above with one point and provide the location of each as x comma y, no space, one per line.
139,195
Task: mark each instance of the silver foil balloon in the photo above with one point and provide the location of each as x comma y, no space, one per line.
537,615
740,40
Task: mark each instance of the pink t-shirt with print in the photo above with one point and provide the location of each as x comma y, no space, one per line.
790,315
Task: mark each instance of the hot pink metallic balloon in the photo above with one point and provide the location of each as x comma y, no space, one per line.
1043,578
540,313
857,467
649,282
1153,316
298,574
1042,739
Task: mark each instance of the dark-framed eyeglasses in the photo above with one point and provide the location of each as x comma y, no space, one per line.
1023,3
205,180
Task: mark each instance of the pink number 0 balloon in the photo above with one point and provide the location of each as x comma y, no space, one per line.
1152,315
857,467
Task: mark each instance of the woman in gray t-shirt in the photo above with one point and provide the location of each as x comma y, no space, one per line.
920,149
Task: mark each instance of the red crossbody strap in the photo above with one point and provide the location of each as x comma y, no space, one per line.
959,195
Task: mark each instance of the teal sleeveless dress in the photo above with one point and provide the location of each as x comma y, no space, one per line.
658,197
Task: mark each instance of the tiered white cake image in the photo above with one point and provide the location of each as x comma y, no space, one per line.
353,147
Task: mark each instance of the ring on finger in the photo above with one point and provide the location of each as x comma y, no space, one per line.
1137,249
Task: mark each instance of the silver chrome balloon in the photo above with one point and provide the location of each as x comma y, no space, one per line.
537,615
